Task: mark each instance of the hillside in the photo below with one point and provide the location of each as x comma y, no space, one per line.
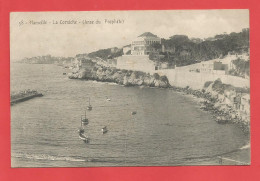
178,49
185,51
182,50
107,53
47,59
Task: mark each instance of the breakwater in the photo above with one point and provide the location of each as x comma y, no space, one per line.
24,96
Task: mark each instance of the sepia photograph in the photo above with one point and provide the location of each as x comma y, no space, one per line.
130,88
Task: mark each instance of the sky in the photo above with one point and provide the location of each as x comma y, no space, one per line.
59,39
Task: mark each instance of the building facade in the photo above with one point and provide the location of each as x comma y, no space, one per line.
142,44
140,49
213,67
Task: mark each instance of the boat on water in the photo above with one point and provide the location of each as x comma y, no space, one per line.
89,105
85,119
222,120
81,132
104,130
108,99
134,112
84,137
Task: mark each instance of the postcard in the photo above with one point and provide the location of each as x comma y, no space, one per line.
130,88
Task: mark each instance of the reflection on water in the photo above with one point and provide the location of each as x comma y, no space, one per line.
168,129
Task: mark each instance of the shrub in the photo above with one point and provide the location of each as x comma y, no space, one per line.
138,74
164,78
124,71
95,68
207,84
156,76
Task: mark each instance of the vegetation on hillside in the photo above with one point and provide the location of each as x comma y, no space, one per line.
179,50
182,50
108,53
185,51
241,68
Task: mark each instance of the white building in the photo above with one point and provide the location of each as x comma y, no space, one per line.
142,44
139,58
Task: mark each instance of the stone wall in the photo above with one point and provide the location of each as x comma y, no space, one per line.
136,62
181,78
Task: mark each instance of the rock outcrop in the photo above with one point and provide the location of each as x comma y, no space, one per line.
122,77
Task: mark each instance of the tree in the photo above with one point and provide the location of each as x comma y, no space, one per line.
157,46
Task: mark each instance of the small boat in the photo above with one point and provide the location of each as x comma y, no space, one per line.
104,130
134,112
84,138
81,130
64,73
108,99
221,120
84,120
89,106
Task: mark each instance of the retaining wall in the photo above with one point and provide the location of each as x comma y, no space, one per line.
181,78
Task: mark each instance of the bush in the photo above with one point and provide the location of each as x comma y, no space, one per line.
218,86
124,71
139,74
206,85
156,76
164,78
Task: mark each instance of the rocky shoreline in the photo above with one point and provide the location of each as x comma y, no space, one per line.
211,100
121,77
223,114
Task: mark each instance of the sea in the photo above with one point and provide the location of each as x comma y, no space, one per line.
168,129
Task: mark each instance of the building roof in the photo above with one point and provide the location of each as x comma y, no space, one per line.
127,46
147,34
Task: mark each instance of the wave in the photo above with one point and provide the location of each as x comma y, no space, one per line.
48,157
245,146
64,158
100,82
